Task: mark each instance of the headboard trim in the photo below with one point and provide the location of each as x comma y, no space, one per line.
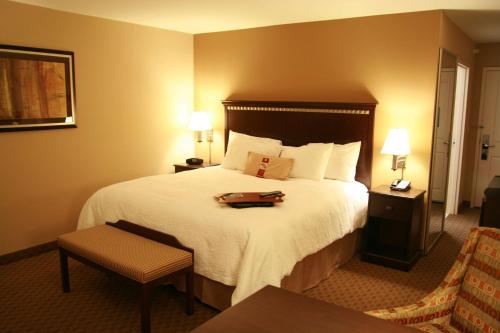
262,108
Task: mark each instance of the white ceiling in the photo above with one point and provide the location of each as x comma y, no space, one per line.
200,16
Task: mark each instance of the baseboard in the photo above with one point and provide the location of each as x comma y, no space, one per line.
464,204
26,253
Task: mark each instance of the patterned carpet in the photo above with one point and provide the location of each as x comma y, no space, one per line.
31,299
363,286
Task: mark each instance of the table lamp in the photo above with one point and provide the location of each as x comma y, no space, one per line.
397,145
203,131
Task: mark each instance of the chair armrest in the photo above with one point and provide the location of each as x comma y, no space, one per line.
437,304
414,313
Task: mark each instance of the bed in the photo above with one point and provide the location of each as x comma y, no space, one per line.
237,252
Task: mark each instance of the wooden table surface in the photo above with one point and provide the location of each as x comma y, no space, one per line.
277,310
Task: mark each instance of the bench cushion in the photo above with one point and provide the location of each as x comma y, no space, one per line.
130,255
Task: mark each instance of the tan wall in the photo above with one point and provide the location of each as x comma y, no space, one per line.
454,40
391,59
488,56
134,86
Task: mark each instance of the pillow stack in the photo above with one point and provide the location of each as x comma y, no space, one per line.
267,158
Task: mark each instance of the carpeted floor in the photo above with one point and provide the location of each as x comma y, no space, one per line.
31,299
363,286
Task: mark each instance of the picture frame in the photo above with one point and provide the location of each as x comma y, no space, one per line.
37,88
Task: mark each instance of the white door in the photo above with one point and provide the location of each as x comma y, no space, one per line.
442,136
488,157
457,139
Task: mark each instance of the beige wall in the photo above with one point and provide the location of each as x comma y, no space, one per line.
391,59
134,88
488,55
453,39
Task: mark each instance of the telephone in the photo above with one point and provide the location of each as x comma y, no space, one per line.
400,185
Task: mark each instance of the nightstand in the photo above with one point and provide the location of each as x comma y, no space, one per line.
186,167
393,231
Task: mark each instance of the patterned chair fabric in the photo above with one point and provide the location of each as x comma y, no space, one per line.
468,300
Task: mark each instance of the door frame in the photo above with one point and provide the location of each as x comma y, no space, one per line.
460,144
477,152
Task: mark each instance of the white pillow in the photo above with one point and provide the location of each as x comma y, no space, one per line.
310,161
343,161
240,144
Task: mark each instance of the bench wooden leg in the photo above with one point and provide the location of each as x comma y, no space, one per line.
190,291
63,259
146,308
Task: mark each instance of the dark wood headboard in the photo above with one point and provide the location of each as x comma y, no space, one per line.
299,123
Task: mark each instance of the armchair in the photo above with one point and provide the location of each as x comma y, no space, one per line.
468,300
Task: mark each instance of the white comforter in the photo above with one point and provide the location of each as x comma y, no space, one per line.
246,248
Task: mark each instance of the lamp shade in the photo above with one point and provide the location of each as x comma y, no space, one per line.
200,122
397,142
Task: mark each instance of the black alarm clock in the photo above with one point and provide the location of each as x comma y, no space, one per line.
194,161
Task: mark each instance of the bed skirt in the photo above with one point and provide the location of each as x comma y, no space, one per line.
306,274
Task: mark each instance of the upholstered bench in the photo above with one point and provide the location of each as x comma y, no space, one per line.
143,255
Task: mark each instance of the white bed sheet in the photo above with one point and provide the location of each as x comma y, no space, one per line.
247,248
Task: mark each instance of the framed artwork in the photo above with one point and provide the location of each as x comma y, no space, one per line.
37,89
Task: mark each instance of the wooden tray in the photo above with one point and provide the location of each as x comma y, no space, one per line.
247,197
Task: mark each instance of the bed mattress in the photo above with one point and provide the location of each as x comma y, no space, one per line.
247,248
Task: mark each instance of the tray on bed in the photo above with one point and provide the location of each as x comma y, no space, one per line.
249,199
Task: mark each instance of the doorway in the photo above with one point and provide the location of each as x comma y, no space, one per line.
488,139
457,139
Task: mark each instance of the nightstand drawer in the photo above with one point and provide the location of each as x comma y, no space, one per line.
391,208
